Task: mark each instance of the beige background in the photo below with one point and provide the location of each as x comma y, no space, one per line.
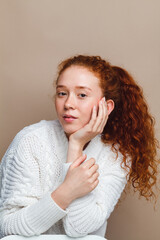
37,34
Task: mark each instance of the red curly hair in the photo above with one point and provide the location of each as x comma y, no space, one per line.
130,126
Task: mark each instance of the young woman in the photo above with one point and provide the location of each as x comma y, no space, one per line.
66,176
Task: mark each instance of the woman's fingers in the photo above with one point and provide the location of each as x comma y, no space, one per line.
102,116
99,117
89,163
98,120
94,177
79,161
93,117
91,166
95,125
105,117
93,169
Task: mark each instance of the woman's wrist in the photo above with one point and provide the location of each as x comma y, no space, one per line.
74,150
73,145
76,143
61,196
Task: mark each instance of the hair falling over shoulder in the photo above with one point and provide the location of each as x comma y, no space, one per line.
130,126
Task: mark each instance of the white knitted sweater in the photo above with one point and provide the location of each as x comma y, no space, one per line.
34,166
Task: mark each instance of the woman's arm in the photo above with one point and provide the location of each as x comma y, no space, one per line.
24,208
87,214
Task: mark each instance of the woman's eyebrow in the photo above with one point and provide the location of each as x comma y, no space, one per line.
84,87
60,86
78,87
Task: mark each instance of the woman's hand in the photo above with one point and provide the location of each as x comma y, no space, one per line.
94,127
81,178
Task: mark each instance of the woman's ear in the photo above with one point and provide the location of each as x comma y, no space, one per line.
110,105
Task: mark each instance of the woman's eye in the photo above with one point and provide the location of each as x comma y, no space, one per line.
61,94
82,95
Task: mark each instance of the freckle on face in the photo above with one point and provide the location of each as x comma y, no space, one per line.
72,78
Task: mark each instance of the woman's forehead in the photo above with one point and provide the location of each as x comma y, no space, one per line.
81,76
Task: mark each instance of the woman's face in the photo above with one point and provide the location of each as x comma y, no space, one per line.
77,92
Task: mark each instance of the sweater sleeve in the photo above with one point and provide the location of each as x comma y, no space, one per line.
87,214
65,170
24,208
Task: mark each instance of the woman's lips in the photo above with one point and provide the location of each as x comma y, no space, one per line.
69,118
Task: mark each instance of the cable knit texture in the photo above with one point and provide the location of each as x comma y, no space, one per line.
34,166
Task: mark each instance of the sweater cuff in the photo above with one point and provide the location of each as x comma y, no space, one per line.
65,170
42,215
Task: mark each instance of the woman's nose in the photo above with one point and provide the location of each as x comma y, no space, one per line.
70,102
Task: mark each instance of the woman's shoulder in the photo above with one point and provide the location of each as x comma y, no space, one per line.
112,158
39,127
33,134
103,152
107,151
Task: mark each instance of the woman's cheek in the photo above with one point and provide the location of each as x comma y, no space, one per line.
58,104
88,111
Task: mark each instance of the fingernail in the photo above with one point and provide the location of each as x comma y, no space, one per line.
94,108
104,99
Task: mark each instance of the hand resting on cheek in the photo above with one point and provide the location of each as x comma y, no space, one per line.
78,139
95,126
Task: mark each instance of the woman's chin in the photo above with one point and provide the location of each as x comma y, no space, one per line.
70,130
